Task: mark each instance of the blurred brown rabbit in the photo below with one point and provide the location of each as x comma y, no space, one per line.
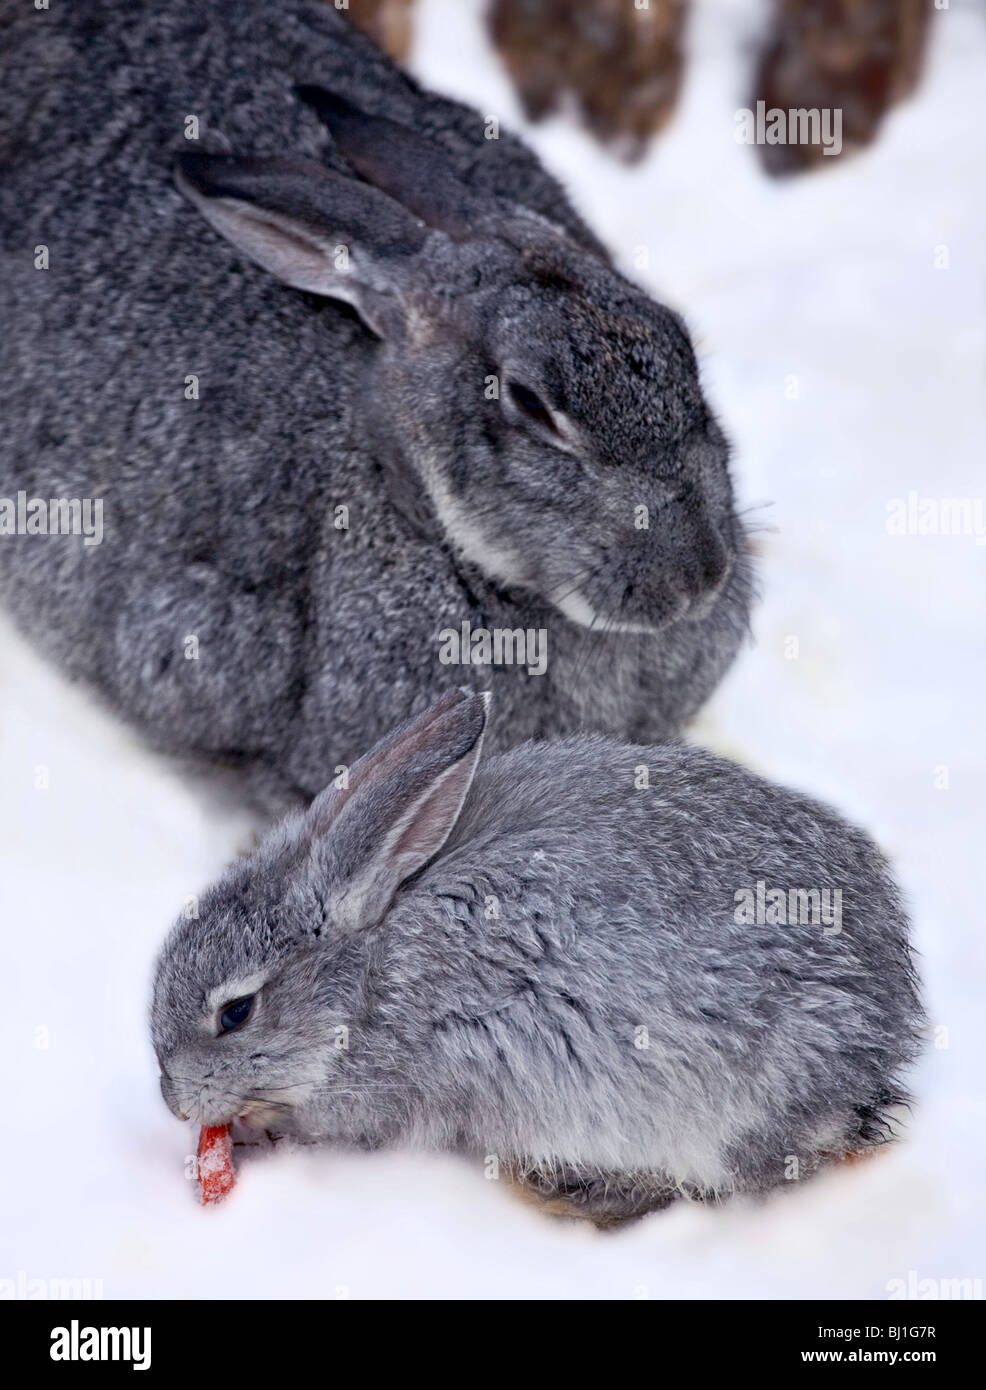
857,56
622,64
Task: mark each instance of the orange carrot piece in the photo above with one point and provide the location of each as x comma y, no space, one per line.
215,1162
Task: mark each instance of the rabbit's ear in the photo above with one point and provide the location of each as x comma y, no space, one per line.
399,808
409,167
313,228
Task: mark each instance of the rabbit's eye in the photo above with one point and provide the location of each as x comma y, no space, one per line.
236,1013
531,404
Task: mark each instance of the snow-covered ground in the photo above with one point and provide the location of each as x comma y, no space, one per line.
849,370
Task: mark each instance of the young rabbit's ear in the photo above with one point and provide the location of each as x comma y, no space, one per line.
313,228
407,166
399,808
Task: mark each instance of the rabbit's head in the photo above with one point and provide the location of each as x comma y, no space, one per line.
256,995
551,409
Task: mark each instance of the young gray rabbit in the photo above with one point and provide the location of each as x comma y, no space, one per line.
628,973
452,411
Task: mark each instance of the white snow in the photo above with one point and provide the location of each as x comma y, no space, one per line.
827,284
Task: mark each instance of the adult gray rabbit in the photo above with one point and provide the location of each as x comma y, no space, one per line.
625,972
459,414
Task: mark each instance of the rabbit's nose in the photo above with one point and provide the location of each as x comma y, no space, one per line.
713,575
704,559
170,1096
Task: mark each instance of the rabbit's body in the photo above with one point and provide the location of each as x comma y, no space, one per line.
613,1013
572,984
232,610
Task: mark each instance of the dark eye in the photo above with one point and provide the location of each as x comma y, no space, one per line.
236,1013
531,404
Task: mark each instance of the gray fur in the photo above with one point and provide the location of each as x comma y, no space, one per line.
218,512
495,1006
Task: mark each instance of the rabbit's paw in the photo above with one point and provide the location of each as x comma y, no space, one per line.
608,1200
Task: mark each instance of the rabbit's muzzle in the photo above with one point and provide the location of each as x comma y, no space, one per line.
676,569
207,1102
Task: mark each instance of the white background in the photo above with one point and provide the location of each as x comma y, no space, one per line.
830,279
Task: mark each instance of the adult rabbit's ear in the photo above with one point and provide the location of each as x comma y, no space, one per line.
408,167
313,228
399,807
